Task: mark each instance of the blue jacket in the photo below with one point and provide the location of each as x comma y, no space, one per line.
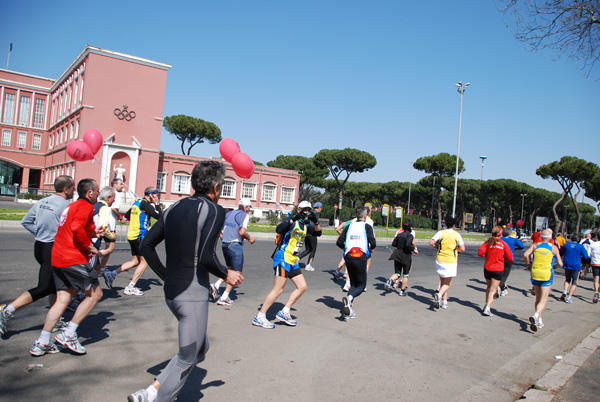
572,253
513,243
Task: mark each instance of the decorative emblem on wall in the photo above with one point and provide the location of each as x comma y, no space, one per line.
124,114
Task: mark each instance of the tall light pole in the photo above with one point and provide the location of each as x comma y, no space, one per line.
522,204
409,185
483,158
461,91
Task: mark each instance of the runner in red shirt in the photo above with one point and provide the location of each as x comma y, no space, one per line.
495,251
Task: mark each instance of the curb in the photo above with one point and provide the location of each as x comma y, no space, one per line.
547,387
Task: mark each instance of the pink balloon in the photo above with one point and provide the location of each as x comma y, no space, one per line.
229,147
79,151
242,165
94,139
520,223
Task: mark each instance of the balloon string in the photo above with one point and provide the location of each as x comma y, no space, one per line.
110,172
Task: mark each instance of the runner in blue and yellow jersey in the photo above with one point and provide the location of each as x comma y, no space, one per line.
293,231
139,217
542,274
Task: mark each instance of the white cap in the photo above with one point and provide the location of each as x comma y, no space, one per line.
245,202
304,204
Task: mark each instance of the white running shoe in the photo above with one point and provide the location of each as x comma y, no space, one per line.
286,318
504,292
72,342
109,277
225,302
436,300
309,268
4,317
213,291
39,349
444,304
346,287
138,396
388,284
262,322
487,312
60,325
347,309
133,291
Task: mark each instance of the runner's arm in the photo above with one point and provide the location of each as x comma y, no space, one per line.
148,248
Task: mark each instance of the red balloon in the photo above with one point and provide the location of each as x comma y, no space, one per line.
79,151
94,139
520,223
229,147
242,165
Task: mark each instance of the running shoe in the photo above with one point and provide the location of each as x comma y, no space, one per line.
504,293
533,290
402,293
109,277
498,292
60,325
350,316
596,297
72,342
309,268
436,300
74,304
347,309
262,322
4,317
563,297
444,304
133,291
540,323
336,275
487,312
39,349
213,291
138,396
346,287
286,318
388,284
225,302
568,300
532,324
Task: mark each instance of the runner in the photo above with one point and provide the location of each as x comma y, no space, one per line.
595,264
310,243
542,274
586,242
42,221
141,212
190,229
404,244
496,253
572,254
71,270
514,244
236,230
449,243
357,241
285,264
342,264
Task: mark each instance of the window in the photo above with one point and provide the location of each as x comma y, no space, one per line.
9,109
6,138
228,189
77,129
71,132
75,95
21,139
249,190
25,109
181,184
268,192
287,195
38,115
36,141
50,141
161,181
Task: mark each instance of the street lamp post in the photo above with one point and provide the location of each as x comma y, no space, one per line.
461,91
483,158
522,204
409,186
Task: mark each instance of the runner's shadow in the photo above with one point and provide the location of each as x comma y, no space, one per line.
478,281
330,302
192,389
94,327
477,288
427,300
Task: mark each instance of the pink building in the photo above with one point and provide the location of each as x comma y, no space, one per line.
121,96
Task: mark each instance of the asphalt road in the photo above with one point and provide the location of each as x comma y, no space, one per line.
398,348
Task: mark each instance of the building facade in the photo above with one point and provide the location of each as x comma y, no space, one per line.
122,97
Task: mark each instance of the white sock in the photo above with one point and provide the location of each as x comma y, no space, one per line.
71,328
347,283
10,308
261,315
44,338
350,298
285,310
536,316
152,393
131,285
218,283
225,295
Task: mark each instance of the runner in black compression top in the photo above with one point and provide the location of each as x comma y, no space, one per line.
190,250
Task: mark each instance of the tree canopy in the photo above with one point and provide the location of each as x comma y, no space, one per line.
310,175
191,130
570,28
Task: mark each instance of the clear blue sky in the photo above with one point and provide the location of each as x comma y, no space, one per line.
294,77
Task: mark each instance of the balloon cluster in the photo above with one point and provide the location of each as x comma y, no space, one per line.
241,162
86,149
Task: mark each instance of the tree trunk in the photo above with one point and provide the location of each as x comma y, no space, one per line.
557,221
